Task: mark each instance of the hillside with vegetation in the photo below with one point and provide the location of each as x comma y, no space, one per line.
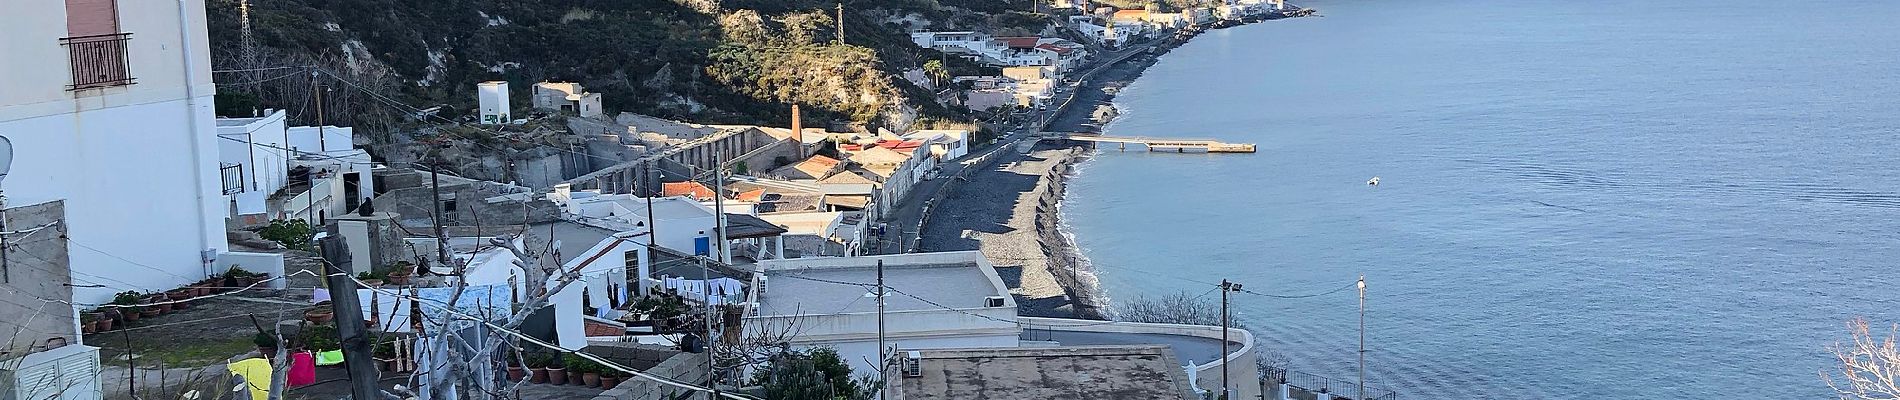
731,61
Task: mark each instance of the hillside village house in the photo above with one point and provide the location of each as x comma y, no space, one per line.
109,107
567,97
269,171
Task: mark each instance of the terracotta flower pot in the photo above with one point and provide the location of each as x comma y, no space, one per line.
515,373
590,379
538,375
372,283
149,312
574,377
398,278
556,376
319,316
103,324
127,315
89,327
609,382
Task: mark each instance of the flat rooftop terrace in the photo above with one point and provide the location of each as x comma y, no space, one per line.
840,290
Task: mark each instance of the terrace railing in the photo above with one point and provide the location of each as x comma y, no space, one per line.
1315,387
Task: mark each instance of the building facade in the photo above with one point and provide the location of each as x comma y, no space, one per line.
108,106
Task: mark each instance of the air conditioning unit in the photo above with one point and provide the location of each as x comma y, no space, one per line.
994,301
913,364
65,373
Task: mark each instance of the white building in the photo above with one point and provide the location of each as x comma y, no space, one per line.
679,223
492,96
802,295
257,158
108,106
568,97
945,144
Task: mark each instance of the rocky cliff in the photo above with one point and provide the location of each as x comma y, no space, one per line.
731,61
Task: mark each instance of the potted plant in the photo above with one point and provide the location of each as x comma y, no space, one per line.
180,295
556,375
158,301
370,279
577,369
102,320
538,367
321,314
239,278
515,370
609,379
266,343
87,324
588,369
400,272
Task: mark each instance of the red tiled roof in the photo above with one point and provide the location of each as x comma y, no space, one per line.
1020,42
901,146
752,195
822,160
698,191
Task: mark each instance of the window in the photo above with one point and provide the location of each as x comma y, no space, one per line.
95,49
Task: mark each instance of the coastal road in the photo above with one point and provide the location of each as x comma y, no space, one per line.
906,219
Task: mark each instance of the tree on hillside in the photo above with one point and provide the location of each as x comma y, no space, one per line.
938,75
1870,366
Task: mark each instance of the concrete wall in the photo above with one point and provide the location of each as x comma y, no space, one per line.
683,367
136,165
268,263
1243,373
36,274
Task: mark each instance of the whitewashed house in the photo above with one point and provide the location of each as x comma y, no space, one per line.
271,171
108,105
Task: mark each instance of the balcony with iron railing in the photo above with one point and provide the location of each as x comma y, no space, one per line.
98,60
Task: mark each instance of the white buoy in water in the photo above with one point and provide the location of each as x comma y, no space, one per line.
1373,182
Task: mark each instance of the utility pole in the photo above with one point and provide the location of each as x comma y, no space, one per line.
705,284
310,199
435,212
349,323
1225,287
882,357
719,205
1362,336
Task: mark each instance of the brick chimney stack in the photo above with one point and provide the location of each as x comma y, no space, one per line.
798,133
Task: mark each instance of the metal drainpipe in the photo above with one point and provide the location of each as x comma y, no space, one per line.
197,155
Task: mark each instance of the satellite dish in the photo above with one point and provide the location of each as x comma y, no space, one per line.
6,156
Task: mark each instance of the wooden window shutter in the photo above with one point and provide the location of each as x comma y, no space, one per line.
92,17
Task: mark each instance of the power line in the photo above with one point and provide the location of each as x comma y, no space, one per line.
1280,296
452,309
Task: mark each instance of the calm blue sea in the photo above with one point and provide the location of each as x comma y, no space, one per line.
1611,199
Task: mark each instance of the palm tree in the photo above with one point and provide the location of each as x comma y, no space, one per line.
937,73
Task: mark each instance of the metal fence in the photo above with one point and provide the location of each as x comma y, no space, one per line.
1310,386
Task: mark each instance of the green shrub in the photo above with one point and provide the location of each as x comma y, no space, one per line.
293,234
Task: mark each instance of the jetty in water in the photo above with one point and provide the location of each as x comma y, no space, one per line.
1165,145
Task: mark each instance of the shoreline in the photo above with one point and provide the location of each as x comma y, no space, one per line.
1015,218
